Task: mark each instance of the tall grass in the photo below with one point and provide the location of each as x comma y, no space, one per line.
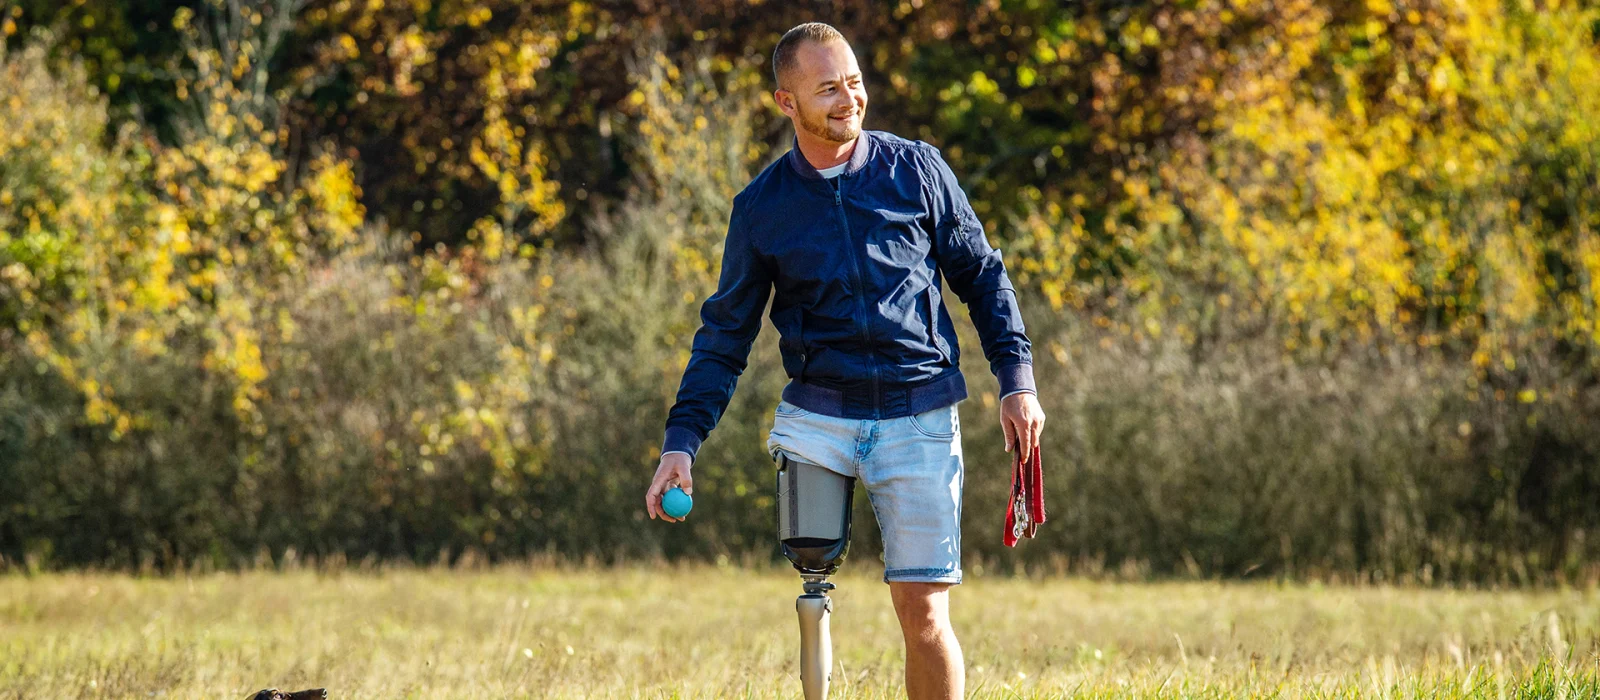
697,631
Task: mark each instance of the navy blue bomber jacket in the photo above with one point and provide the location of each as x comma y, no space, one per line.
855,262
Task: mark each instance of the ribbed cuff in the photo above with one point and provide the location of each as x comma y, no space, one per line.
681,439
1014,378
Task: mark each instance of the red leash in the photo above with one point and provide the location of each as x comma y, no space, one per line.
1026,508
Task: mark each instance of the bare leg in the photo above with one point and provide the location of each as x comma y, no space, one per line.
934,667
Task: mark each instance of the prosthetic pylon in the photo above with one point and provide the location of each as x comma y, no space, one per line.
814,532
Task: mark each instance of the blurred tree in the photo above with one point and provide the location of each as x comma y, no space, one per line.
126,47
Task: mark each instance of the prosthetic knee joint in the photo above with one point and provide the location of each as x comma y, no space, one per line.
814,532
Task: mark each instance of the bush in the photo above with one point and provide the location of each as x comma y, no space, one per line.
208,356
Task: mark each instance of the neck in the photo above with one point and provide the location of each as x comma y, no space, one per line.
824,154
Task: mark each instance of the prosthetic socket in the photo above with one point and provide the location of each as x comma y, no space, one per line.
814,506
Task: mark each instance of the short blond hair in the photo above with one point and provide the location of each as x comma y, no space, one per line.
784,57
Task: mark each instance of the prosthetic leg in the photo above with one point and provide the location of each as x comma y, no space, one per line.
814,531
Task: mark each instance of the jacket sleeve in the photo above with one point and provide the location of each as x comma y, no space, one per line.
977,273
730,320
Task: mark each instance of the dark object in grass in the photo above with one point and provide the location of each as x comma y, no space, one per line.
275,694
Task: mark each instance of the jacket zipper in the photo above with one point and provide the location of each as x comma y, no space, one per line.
860,290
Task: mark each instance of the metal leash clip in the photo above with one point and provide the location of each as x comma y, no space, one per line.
1020,512
1019,499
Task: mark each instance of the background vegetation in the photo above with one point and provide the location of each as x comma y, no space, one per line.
1314,288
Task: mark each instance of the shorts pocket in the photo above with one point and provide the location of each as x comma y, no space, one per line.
788,409
940,423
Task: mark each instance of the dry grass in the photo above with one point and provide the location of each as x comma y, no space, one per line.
730,632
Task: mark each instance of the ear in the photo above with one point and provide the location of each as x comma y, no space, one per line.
785,100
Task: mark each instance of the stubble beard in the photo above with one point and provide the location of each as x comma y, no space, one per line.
822,127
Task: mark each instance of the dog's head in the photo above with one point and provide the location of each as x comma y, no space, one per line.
275,694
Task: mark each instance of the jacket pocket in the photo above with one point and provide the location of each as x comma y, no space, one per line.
933,326
792,344
800,342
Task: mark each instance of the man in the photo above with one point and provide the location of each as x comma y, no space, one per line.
852,229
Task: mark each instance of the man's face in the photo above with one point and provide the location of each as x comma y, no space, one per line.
825,96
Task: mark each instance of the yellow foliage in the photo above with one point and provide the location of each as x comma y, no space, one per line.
694,125
137,244
1428,210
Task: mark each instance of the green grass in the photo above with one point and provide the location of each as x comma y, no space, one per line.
730,632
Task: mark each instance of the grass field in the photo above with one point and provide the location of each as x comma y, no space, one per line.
731,632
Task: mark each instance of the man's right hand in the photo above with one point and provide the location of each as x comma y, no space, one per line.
674,471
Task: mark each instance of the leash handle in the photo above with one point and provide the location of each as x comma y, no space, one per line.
1025,507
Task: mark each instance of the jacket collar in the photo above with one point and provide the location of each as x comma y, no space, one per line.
858,157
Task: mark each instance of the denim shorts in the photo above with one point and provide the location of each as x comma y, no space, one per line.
912,470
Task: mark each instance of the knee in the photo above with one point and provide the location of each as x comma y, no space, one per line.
923,608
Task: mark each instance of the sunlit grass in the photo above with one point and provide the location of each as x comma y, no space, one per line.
730,632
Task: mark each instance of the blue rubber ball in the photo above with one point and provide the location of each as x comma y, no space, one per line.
676,503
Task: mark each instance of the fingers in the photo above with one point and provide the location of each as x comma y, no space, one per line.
1022,426
1035,430
666,477
1031,441
652,498
1030,433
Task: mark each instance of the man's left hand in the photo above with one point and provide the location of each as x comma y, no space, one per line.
1021,419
